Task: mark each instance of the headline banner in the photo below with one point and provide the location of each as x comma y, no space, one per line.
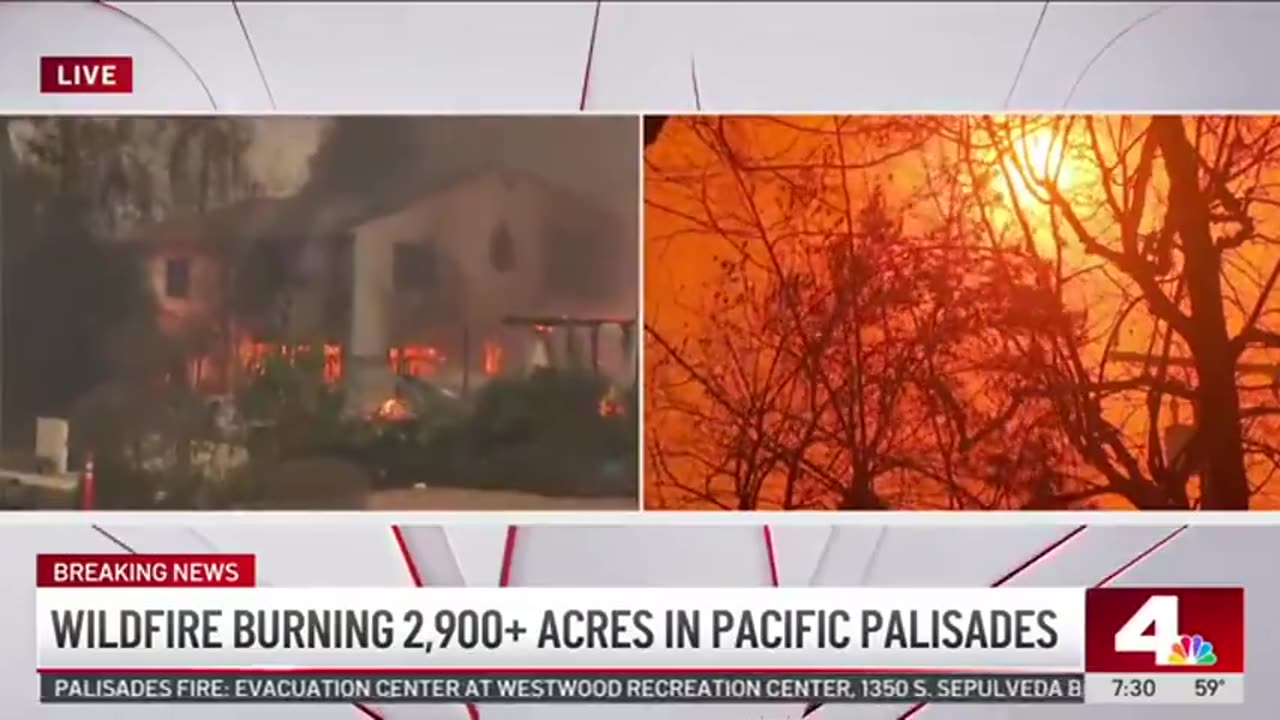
234,628
114,628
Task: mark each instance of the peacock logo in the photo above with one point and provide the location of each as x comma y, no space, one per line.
1192,650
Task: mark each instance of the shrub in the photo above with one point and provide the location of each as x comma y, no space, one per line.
296,412
543,434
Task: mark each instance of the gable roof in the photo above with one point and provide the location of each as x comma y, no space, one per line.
568,199
200,230
315,215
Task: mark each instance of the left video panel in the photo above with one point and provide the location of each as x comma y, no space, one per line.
383,313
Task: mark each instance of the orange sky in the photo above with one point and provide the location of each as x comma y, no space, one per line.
689,183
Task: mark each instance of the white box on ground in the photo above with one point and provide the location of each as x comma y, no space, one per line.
52,439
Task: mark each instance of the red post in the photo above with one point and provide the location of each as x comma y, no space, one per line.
86,484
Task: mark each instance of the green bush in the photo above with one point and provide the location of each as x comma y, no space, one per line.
548,403
293,411
402,453
543,434
141,436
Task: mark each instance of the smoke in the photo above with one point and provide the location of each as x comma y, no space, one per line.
594,156
386,160
280,152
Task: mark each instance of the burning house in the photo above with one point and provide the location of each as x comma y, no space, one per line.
444,277
487,274
191,267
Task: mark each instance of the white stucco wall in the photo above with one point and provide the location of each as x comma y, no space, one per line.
458,222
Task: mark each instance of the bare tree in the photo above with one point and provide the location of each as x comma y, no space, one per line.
839,350
1157,236
972,312
86,182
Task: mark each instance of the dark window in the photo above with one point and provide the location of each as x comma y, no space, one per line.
502,250
414,267
177,278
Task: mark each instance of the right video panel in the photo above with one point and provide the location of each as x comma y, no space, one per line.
962,312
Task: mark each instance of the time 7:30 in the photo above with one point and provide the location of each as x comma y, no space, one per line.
1133,687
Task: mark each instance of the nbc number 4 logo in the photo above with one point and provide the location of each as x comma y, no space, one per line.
1154,629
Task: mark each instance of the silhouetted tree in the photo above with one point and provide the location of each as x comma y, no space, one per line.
1078,310
653,125
1171,224
71,290
834,356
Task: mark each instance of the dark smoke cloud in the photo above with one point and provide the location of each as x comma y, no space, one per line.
383,160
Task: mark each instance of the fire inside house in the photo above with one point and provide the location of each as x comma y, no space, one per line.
563,343
424,291
414,361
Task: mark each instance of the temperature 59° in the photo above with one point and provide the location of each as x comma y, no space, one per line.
1209,687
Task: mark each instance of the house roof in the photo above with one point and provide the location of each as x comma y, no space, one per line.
314,215
198,231
413,194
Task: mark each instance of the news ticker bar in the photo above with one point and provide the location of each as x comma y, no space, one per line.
545,687
637,687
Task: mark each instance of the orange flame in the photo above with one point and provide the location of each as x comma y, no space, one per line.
419,361
492,358
254,354
610,405
332,363
393,408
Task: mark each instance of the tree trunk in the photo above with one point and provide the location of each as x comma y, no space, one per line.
1224,484
653,125
861,495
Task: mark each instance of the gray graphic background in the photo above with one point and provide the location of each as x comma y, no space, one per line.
761,56
356,553
754,56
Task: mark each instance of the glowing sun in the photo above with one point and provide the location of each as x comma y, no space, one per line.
1034,161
